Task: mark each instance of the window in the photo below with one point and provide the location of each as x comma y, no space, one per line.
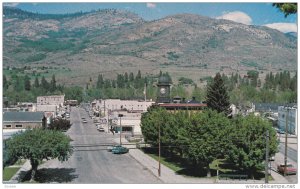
7,126
19,126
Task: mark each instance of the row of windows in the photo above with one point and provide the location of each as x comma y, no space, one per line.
17,126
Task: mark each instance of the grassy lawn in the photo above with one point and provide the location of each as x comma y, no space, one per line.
9,172
178,165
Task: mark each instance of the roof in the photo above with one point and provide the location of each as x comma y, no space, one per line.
187,105
23,116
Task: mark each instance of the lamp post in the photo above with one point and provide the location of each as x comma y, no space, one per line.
159,169
267,158
120,116
286,133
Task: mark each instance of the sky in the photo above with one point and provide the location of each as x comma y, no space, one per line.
246,13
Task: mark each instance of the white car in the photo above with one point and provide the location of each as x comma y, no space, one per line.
84,121
101,129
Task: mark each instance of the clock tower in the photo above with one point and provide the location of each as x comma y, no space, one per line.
163,90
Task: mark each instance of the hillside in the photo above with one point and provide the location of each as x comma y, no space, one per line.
115,41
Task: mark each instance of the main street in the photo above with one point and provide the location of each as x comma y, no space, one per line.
92,163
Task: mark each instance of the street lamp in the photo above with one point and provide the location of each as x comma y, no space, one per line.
159,170
120,116
286,137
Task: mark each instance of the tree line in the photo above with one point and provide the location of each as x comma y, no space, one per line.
276,88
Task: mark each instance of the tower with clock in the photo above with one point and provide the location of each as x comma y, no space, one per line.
163,92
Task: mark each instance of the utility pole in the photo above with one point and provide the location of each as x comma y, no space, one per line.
120,116
104,108
159,170
107,121
267,158
286,135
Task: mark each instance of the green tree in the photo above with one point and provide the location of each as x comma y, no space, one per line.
100,82
138,75
74,93
248,143
36,83
5,82
53,84
18,84
45,84
150,122
126,78
286,8
217,97
60,124
205,138
131,77
27,85
198,93
39,144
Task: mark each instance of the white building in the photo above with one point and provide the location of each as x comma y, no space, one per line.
51,100
289,115
117,104
131,109
50,105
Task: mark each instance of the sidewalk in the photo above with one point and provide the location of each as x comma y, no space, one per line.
18,177
292,141
168,176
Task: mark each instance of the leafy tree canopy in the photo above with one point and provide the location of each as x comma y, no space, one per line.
286,8
38,144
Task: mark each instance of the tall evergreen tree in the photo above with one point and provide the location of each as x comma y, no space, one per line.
5,83
27,85
126,77
138,75
217,97
100,81
36,83
131,77
44,84
53,84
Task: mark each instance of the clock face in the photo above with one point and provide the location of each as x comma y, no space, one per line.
163,91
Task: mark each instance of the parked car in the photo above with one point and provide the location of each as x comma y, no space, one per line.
290,169
119,150
280,131
84,121
101,129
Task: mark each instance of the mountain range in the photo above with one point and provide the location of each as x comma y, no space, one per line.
113,41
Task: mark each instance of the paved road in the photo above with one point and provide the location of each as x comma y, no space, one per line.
291,153
92,163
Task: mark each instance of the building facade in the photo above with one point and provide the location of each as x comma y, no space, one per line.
117,104
287,116
23,120
57,100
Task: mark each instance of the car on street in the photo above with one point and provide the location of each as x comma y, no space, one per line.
119,149
290,169
109,148
280,131
100,129
84,121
